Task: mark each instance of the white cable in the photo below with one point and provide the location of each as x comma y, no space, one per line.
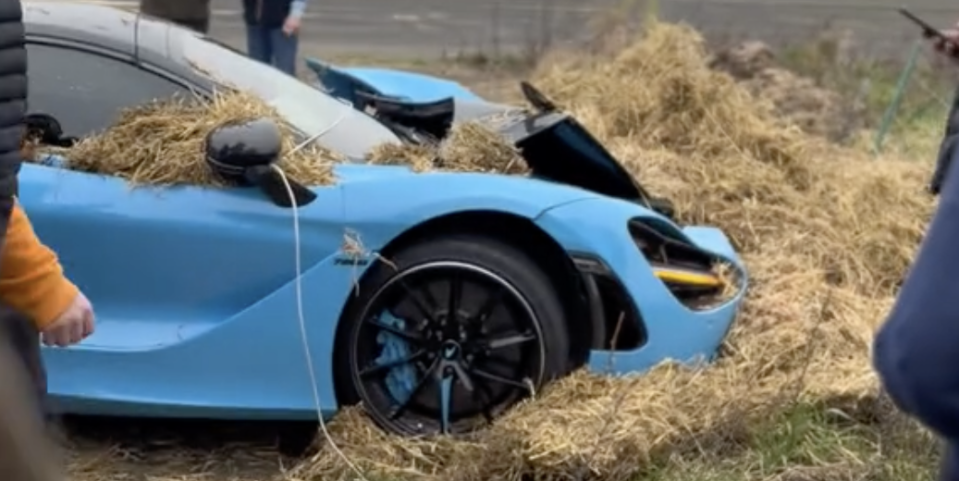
325,131
301,318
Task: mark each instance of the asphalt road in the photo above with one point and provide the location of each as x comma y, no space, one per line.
428,28
416,28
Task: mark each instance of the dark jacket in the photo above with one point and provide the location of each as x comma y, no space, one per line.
177,10
13,96
949,469
266,13
24,451
916,351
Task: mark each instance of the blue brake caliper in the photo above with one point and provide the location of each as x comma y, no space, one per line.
400,380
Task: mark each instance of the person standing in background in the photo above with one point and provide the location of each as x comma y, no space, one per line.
272,31
192,14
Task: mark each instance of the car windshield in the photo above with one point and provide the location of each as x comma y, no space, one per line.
334,123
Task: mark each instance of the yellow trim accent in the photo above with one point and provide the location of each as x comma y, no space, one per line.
686,276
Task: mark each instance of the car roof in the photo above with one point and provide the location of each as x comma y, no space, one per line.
166,47
97,25
109,28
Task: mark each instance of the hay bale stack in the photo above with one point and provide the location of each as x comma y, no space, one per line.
162,143
826,233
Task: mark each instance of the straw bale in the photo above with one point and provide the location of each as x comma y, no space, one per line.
826,233
162,143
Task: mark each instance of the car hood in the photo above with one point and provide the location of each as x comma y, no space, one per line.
390,187
349,172
554,144
344,82
558,148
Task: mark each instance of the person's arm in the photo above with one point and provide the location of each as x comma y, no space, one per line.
31,278
916,352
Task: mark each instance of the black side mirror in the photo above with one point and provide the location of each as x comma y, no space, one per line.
244,153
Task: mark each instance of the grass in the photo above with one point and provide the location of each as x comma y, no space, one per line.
809,442
806,442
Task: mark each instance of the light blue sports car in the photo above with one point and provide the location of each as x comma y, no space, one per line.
437,299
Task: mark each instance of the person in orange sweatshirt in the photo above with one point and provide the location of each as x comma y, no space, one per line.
37,302
32,282
36,297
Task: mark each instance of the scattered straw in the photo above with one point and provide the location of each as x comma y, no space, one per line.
162,143
826,233
470,147
420,158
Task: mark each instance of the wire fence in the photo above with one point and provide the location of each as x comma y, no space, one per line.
909,87
873,27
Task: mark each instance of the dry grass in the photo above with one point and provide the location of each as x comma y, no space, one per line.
826,233
162,143
470,147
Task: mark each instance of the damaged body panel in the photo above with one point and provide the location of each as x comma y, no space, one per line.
554,144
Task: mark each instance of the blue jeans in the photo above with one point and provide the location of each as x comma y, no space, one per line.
272,46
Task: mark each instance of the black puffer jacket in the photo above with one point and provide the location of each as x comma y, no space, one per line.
266,13
13,94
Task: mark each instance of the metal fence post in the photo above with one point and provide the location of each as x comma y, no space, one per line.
890,114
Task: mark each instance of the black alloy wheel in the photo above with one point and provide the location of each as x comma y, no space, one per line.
463,329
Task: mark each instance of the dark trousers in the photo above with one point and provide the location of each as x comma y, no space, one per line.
273,47
26,453
201,25
24,340
19,332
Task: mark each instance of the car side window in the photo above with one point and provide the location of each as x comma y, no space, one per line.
85,91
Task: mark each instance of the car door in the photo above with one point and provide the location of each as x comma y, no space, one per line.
161,265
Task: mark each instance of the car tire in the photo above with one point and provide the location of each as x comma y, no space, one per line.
530,307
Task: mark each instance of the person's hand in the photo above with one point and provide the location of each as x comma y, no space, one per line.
291,25
73,326
948,44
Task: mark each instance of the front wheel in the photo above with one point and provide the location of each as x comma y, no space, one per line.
455,332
